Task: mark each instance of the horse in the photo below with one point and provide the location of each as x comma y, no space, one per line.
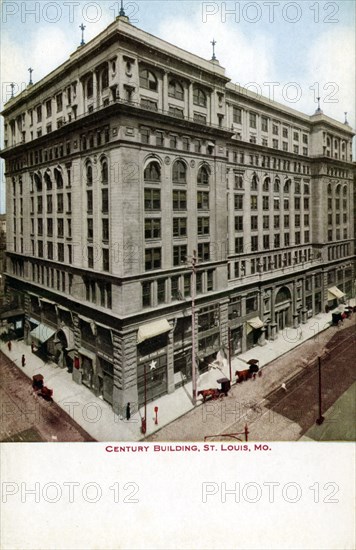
243,375
213,393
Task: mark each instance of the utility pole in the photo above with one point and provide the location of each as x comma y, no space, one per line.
194,379
319,420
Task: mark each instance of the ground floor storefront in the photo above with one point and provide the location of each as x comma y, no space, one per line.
149,356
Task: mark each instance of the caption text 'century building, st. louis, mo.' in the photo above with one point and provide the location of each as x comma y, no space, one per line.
136,169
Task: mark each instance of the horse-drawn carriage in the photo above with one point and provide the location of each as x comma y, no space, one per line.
216,393
249,373
42,391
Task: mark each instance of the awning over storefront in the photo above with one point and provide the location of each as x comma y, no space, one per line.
152,329
334,292
253,323
41,334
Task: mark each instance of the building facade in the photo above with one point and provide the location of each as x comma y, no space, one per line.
130,160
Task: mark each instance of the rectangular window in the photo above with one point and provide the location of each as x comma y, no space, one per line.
264,124
297,203
203,226
90,229
203,200
198,117
297,237
105,229
152,258
286,239
236,115
275,129
185,144
173,142
306,237
253,120
286,221
276,222
238,223
49,204
295,136
152,228
105,201
149,104
285,146
296,149
39,113
179,200
146,295
60,206
265,242
254,202
159,139
179,227
179,254
106,259
277,241
176,111
265,203
254,223
152,199
210,281
239,245
285,132
161,291
145,135
60,227
48,108
59,102
89,201
60,250
197,146
254,243
265,222
204,252
239,202
275,143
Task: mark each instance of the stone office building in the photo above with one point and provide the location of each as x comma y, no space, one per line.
125,160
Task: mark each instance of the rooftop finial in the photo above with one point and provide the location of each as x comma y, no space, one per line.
30,70
318,111
82,28
122,11
346,121
12,86
213,44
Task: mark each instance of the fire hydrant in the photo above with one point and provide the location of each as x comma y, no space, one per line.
156,413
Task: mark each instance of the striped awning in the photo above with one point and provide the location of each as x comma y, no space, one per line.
145,332
41,334
253,324
334,292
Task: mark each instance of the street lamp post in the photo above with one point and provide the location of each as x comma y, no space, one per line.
230,351
319,420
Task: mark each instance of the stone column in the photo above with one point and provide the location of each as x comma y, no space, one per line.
262,338
190,101
125,372
165,92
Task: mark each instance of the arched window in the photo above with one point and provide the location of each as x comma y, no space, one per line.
306,189
337,191
48,180
276,185
283,295
148,80
89,174
105,78
266,183
254,182
345,191
152,172
199,97
343,146
328,142
329,190
104,172
90,87
38,181
203,176
59,178
175,89
179,172
286,187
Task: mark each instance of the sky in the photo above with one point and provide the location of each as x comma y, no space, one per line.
288,51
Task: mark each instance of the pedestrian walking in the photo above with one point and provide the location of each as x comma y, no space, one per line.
32,346
9,345
128,411
23,360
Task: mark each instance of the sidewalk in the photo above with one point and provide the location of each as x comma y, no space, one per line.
96,416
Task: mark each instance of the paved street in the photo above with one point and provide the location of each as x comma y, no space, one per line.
271,412
29,418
